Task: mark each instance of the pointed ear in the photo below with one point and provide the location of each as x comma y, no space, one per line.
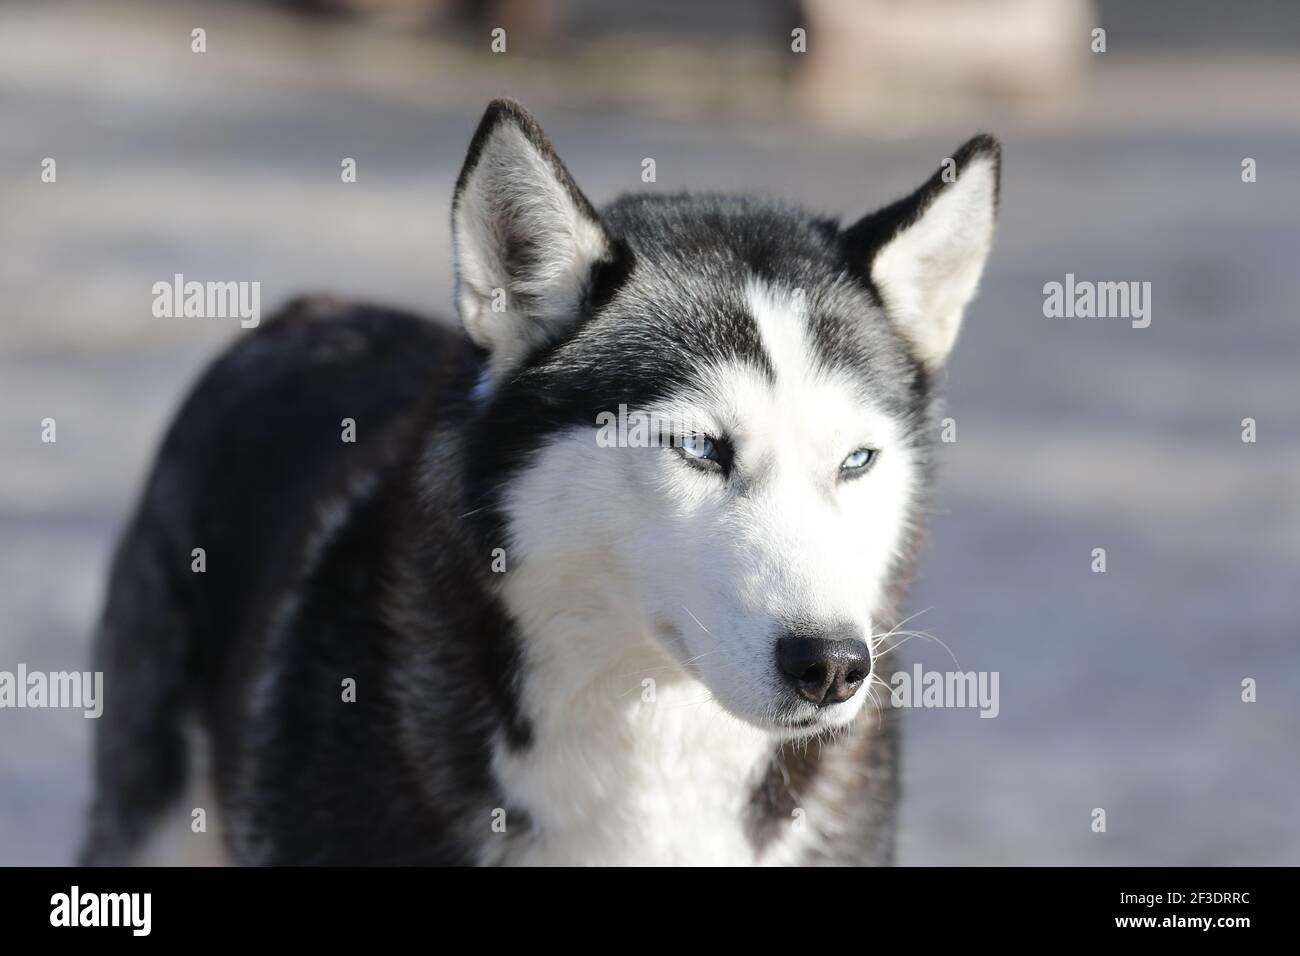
924,254
525,238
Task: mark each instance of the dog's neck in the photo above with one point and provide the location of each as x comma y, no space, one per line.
630,760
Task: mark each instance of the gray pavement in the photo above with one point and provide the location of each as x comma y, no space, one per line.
1118,690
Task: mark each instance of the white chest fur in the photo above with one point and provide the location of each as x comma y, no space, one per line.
628,774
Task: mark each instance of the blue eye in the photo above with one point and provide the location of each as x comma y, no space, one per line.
705,453
858,462
699,447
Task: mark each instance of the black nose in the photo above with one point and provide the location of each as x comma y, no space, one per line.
824,670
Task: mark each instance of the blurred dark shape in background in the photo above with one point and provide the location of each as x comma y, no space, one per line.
864,62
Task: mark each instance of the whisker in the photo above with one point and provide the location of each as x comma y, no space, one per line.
908,635
696,619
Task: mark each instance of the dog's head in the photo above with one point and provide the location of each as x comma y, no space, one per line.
706,418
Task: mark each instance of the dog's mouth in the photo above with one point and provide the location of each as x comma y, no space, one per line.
800,719
799,725
802,723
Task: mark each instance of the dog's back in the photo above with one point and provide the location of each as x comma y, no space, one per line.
283,438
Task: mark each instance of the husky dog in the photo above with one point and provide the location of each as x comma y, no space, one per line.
409,603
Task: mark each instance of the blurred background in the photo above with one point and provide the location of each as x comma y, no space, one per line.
1119,690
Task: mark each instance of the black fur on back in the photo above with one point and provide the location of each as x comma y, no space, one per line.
305,560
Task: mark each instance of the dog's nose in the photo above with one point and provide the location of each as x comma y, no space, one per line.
824,670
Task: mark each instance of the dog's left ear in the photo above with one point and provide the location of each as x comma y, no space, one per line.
526,240
924,254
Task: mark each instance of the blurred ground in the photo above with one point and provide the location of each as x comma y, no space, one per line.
1119,690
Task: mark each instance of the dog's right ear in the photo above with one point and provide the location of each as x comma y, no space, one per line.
525,238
